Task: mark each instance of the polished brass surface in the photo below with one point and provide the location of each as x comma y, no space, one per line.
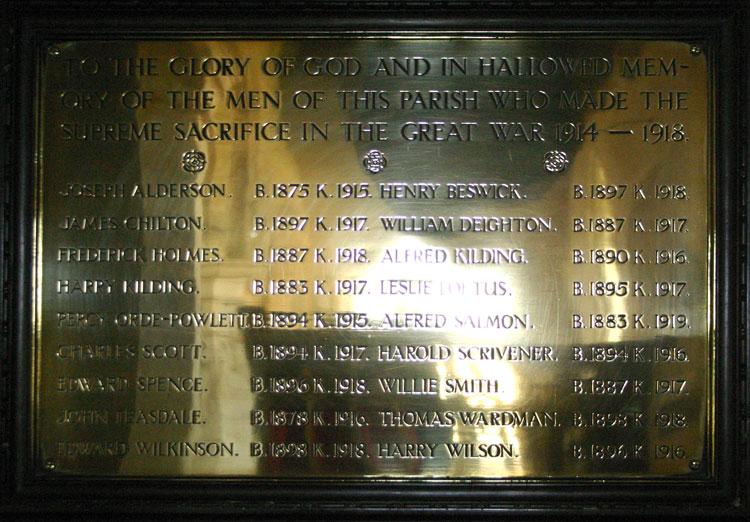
375,257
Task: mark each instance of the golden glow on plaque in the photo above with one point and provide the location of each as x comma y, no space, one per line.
349,323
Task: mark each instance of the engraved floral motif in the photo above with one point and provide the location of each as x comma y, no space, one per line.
555,161
374,161
193,161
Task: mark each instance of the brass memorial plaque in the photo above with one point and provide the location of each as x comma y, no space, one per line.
440,258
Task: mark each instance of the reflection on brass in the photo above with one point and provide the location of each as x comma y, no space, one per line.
434,258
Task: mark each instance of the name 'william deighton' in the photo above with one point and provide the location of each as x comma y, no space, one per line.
499,224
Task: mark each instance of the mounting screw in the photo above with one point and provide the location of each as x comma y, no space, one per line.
50,465
695,49
695,465
53,51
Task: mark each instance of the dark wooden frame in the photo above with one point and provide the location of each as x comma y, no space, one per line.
30,27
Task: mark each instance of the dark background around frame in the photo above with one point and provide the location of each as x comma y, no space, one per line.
724,24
